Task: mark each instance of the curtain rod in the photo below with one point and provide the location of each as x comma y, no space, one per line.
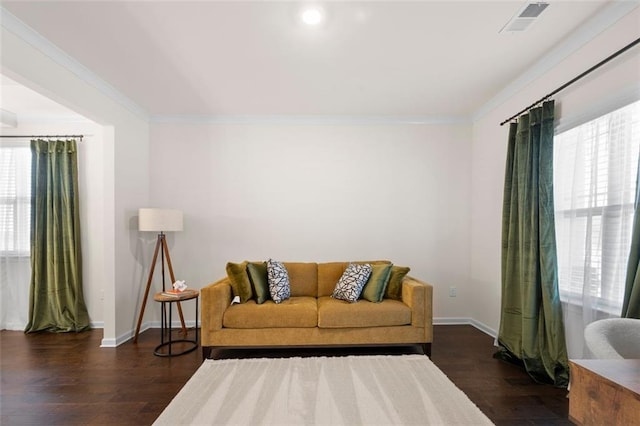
569,83
43,136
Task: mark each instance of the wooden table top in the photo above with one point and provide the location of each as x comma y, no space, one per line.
176,297
625,372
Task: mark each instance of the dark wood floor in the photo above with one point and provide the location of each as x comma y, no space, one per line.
66,379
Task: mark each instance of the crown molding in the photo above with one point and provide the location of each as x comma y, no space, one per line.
53,119
8,119
310,119
14,25
577,39
581,36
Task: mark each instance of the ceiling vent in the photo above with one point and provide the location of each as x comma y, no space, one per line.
525,17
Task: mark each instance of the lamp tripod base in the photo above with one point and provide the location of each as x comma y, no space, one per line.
163,249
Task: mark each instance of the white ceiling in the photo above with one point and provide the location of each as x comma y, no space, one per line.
374,58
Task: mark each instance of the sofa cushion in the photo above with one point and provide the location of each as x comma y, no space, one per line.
293,312
373,262
258,276
394,288
330,272
352,282
328,275
374,289
237,273
278,276
334,313
303,278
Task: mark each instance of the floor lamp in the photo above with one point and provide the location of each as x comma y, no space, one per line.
161,221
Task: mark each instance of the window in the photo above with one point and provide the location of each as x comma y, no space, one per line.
595,170
15,200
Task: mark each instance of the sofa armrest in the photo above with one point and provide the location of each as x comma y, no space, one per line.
216,298
418,296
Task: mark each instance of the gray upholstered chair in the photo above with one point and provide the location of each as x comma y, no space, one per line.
614,338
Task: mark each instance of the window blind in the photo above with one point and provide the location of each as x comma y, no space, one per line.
15,200
595,169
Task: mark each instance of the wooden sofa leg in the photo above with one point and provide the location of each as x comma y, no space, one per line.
426,348
206,352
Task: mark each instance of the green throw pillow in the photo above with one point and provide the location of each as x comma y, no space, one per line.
374,288
394,288
258,275
237,273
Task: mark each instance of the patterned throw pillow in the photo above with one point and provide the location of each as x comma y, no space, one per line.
278,278
351,282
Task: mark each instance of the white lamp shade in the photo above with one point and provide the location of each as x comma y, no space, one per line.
159,220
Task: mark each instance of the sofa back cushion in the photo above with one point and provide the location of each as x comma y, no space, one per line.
329,273
328,276
303,278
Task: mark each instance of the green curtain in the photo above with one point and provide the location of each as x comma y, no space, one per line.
56,300
531,327
631,301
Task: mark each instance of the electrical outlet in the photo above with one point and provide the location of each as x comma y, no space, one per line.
453,292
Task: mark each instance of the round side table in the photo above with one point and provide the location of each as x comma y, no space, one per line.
164,299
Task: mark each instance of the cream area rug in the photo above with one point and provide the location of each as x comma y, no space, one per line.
352,390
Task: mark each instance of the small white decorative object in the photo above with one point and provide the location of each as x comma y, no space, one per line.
179,285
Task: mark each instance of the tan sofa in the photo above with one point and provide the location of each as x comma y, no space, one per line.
311,317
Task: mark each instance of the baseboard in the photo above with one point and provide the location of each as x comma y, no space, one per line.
466,321
125,337
112,343
452,321
108,343
174,324
484,328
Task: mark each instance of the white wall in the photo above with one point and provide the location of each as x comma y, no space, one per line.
297,192
124,163
616,83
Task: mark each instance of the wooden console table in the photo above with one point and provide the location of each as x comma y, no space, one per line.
605,392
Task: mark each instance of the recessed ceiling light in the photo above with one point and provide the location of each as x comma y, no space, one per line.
312,16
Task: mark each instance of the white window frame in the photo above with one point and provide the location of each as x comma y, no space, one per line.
17,201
